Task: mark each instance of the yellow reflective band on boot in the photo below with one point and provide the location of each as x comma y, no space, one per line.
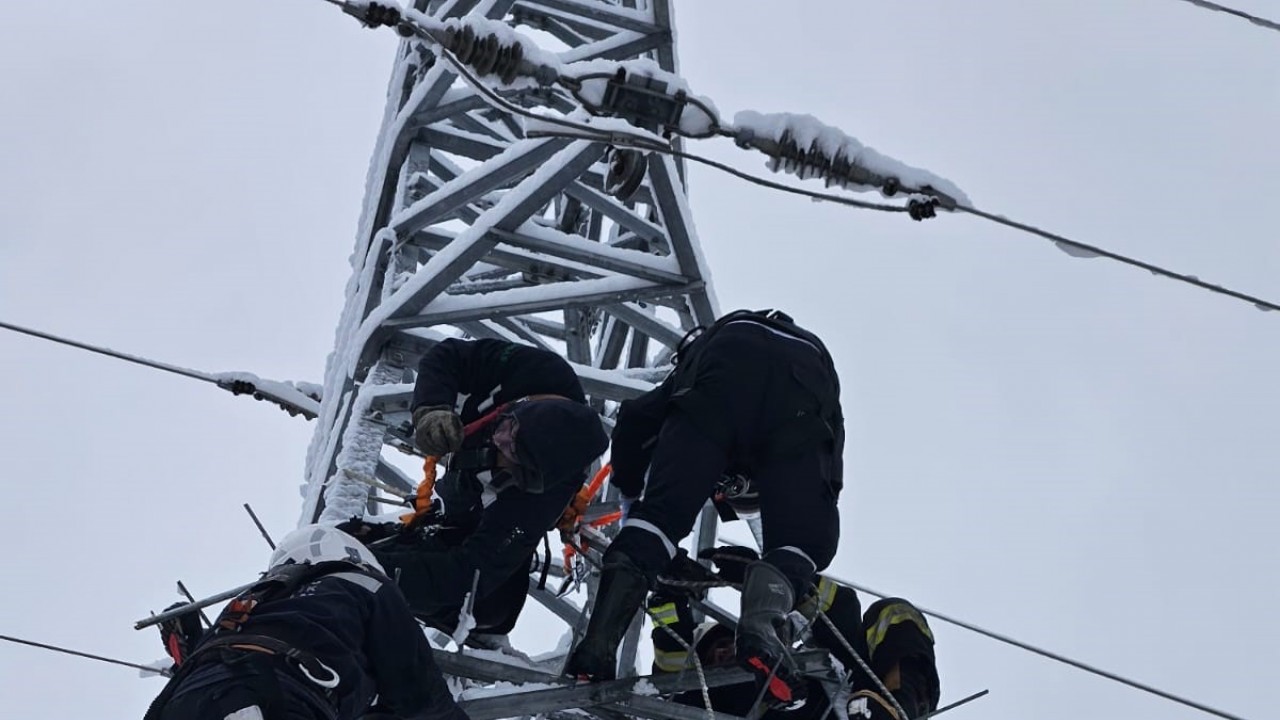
670,660
821,599
892,615
664,614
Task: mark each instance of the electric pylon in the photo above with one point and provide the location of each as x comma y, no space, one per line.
470,227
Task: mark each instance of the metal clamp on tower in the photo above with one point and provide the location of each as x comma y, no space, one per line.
645,102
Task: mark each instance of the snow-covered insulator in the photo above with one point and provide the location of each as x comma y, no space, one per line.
376,14
626,173
813,161
488,54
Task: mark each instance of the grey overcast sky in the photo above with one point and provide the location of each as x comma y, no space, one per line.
1068,451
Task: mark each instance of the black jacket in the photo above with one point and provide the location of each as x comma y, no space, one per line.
486,373
356,623
640,419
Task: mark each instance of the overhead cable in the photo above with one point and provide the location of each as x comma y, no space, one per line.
157,671
1079,249
231,382
1260,22
186,372
1051,655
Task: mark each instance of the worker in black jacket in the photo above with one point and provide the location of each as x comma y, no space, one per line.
518,438
754,396
893,639
322,634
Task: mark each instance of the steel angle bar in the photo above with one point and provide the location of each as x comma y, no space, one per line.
596,11
516,161
561,30
495,10
475,242
616,695
620,46
667,51
581,293
656,709
392,476
392,398
715,612
515,326
398,135
470,666
648,324
477,122
608,385
614,339
575,247
674,211
545,327
621,214
488,330
570,29
433,113
511,258
467,286
573,161
467,144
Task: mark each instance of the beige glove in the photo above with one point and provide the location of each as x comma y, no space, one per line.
437,430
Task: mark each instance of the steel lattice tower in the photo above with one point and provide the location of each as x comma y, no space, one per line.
470,227
467,224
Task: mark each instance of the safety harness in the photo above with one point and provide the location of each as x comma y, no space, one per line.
496,447
250,655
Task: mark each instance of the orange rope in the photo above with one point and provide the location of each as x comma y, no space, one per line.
422,500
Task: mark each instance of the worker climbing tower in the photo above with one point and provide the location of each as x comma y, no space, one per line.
471,226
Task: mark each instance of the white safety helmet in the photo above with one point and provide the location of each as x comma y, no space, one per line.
312,544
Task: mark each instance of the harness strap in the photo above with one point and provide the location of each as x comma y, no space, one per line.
483,421
321,675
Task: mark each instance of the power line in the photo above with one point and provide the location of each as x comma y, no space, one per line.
186,372
77,653
1260,22
1086,250
230,382
1051,655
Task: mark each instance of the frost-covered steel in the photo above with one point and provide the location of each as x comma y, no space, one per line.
470,227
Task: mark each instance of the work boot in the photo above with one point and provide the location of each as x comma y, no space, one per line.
622,588
767,598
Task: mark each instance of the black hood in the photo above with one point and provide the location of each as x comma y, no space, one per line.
556,441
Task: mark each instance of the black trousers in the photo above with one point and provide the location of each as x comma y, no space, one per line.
749,385
435,573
